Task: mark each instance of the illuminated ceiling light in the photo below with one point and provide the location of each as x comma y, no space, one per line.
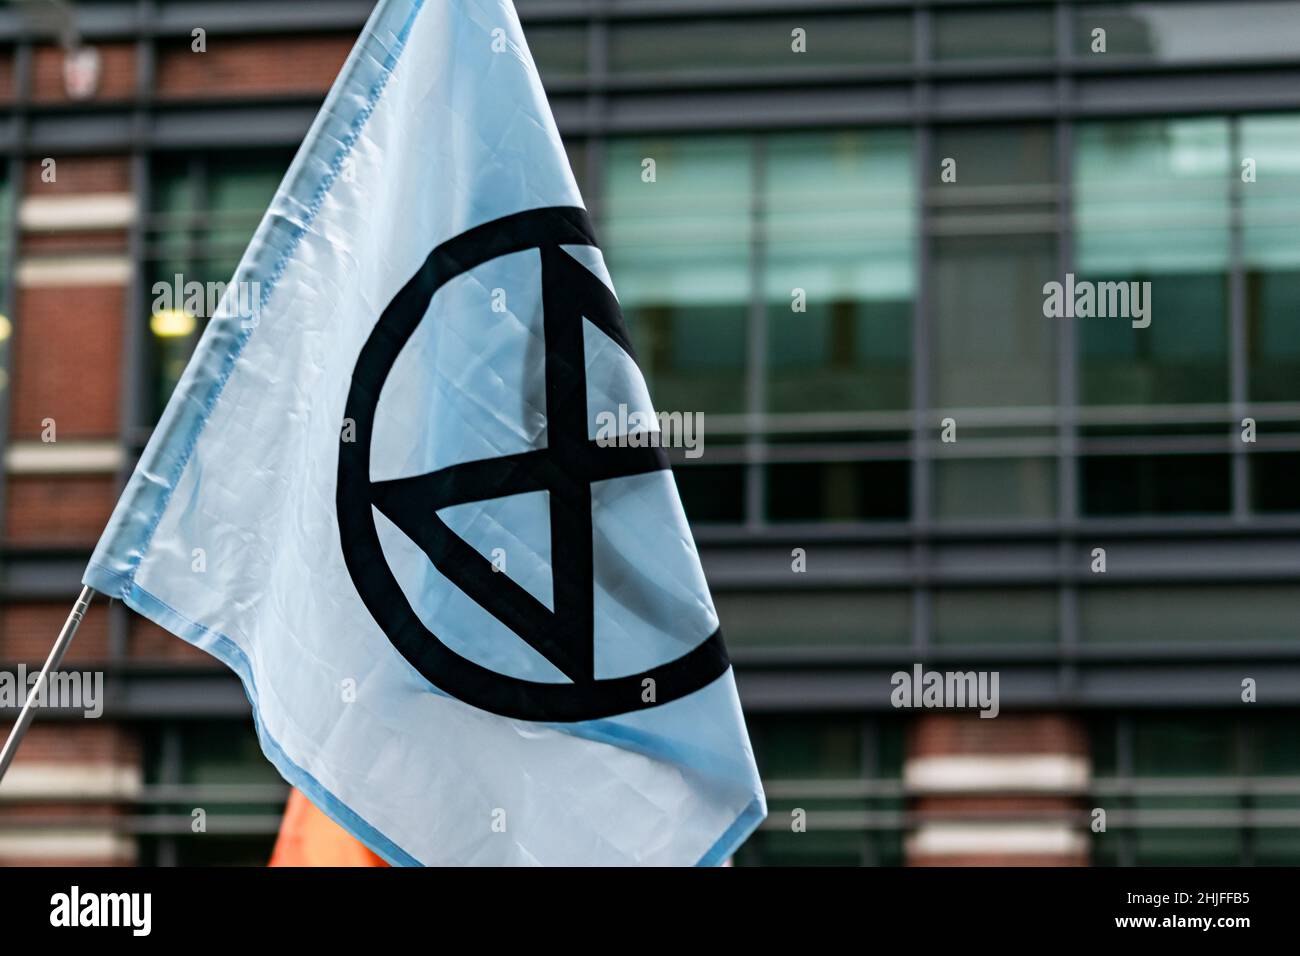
6,328
171,324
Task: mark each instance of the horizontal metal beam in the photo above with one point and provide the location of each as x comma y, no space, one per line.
1109,680
1136,686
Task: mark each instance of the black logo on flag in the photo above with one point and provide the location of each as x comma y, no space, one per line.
564,469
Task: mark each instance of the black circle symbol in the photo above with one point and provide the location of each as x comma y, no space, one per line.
565,469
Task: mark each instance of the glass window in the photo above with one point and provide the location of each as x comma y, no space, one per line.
973,489
1151,207
994,33
1138,484
1270,208
1271,745
798,620
808,747
804,760
1004,616
1273,481
560,52
1194,764
1181,32
759,43
711,494
191,756
204,210
839,271
838,491
677,238
1186,746
1189,614
1193,746
993,246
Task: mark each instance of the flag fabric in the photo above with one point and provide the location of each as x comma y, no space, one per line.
310,838
471,630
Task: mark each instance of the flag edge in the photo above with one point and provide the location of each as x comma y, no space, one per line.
228,652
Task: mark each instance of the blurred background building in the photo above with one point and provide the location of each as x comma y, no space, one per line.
775,171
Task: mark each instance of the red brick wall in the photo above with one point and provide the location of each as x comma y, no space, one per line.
74,242
69,744
1009,734
66,365
251,66
77,741
79,174
67,361
116,78
28,630
968,733
6,76
149,642
58,509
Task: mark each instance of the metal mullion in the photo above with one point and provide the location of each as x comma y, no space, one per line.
597,108
1238,358
1244,761
171,771
1067,365
1124,770
921,474
756,343
869,728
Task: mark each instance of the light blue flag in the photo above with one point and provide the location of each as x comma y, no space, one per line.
473,629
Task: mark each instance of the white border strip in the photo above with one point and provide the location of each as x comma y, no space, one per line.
50,271
976,773
71,213
64,458
1018,839
27,781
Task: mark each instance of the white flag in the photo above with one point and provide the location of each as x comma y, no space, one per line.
469,631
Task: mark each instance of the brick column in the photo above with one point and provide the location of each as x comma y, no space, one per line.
73,778
1007,791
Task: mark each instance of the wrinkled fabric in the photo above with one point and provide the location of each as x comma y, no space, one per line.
227,533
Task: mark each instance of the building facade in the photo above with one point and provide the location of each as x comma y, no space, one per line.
832,224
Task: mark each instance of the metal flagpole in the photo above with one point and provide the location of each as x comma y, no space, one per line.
51,662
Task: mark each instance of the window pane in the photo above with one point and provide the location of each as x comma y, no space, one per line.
994,33
197,754
759,43
1005,616
1273,481
993,249
1186,746
812,620
838,491
678,248
1270,209
239,190
1155,484
1218,613
1178,32
560,52
712,494
989,489
839,271
808,747
204,210
1152,207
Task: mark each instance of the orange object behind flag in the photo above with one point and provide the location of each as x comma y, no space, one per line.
310,838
